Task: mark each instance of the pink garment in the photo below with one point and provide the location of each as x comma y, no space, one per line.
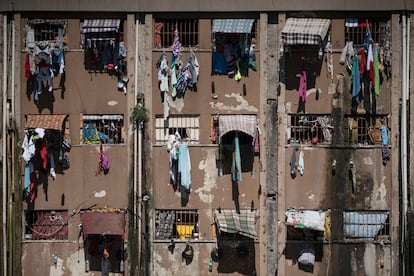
302,86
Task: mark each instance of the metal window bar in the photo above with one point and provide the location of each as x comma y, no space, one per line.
188,126
46,31
107,129
188,32
357,34
57,221
175,224
305,127
364,129
366,225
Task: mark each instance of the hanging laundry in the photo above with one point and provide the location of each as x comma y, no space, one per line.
163,76
173,148
103,160
184,166
176,47
302,91
386,154
356,79
293,163
301,163
28,147
43,153
173,89
166,106
28,169
376,83
52,166
236,162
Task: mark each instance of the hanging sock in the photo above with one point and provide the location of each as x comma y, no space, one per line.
293,163
376,72
301,164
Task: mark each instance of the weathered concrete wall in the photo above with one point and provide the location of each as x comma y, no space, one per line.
207,6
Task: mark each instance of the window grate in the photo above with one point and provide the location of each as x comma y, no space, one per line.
46,225
175,224
366,225
315,128
164,32
356,32
107,129
188,126
364,129
319,129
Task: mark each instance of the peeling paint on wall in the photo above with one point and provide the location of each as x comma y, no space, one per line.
210,174
58,269
243,104
378,200
172,264
370,261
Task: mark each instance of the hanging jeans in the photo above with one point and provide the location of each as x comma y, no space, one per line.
44,74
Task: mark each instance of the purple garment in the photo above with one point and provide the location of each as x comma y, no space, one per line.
302,86
105,162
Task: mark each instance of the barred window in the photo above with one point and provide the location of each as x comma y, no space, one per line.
365,129
366,225
360,130
188,126
176,224
45,29
356,29
310,128
46,225
106,129
188,32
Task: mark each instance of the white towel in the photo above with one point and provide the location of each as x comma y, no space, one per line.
301,164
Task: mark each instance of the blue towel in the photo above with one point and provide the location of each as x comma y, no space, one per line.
236,163
356,79
184,166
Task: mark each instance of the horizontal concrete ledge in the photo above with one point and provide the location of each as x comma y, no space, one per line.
204,5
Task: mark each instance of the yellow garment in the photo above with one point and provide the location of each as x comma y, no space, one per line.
185,231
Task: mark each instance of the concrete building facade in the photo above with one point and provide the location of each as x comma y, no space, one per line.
158,138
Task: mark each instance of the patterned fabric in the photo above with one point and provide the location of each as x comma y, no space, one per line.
232,25
305,31
230,221
176,45
244,123
46,121
100,25
157,34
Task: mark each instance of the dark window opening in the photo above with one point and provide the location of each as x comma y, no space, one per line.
297,59
224,156
104,253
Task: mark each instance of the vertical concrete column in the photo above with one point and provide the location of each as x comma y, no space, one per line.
269,123
396,82
281,154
